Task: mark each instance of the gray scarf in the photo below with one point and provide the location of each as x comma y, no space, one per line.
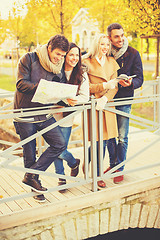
118,53
45,61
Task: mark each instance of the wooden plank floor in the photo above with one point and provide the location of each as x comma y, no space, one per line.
11,180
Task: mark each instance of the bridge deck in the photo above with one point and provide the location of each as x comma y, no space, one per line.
11,180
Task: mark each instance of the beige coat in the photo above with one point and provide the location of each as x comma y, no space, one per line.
97,75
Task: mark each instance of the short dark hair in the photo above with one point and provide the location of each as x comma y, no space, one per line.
59,41
113,26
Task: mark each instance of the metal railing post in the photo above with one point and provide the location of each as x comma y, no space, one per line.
158,103
39,144
100,143
154,103
93,144
85,143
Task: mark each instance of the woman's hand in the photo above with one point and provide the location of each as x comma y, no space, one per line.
71,102
101,102
111,84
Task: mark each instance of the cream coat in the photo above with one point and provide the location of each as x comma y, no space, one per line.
97,75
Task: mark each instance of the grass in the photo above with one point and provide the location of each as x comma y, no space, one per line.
143,110
7,83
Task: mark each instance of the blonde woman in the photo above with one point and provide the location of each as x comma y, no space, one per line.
102,73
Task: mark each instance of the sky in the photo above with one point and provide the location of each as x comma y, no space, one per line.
6,6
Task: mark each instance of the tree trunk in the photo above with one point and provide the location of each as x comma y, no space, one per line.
61,18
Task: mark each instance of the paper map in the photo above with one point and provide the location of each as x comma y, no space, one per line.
52,92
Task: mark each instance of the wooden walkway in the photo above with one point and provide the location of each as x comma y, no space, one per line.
11,180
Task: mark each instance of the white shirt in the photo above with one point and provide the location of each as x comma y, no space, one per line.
68,74
101,61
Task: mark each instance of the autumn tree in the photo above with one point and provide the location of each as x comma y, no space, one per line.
3,30
35,30
108,11
146,14
56,13
46,18
14,25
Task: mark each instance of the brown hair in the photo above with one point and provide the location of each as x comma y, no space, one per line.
76,75
113,26
59,41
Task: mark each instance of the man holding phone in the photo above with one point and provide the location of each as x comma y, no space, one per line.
130,77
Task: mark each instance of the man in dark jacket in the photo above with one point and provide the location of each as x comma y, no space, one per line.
130,64
45,63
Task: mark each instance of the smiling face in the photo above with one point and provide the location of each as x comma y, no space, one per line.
56,55
72,58
117,38
103,47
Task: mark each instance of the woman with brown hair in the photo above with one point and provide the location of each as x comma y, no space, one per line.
75,74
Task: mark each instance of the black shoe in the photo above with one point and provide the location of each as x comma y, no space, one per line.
62,182
32,181
39,198
75,170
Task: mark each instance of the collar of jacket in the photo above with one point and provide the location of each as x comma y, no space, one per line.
95,69
44,60
126,54
63,74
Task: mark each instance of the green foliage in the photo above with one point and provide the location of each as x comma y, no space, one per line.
135,42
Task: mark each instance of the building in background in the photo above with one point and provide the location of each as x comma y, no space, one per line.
84,29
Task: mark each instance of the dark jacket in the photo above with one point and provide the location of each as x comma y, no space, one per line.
29,74
130,63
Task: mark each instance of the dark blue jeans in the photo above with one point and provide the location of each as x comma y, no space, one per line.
123,129
65,155
53,137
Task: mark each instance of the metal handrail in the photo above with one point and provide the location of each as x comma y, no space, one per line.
9,157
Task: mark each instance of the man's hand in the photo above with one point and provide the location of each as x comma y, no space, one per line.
71,102
124,80
125,83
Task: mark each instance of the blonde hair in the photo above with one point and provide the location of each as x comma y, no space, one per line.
94,48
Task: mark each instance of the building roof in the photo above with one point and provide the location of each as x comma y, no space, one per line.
81,13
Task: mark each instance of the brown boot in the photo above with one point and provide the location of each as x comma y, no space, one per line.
62,182
75,170
32,181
